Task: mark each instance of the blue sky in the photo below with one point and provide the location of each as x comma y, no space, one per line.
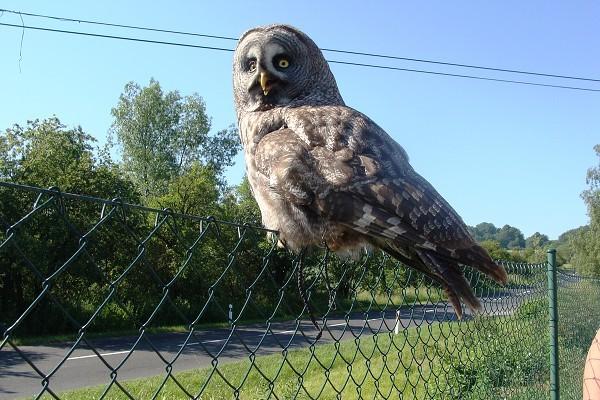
500,153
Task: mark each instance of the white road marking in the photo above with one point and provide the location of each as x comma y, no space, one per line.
206,341
94,355
276,333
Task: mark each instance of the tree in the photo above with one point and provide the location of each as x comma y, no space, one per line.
564,244
586,242
537,240
195,192
536,247
162,134
497,252
240,205
484,231
510,237
47,153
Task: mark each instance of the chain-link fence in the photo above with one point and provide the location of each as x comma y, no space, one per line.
102,299
579,318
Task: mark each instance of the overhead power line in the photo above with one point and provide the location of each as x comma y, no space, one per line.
89,34
484,78
101,23
514,71
39,28
359,53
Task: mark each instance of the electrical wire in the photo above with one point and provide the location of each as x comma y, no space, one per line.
513,71
101,23
39,28
464,76
331,61
359,53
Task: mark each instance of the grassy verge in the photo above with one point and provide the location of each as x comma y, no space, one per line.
484,358
579,318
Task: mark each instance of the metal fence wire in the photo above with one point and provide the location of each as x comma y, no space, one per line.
103,299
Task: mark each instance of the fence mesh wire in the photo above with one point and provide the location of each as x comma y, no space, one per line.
136,303
579,318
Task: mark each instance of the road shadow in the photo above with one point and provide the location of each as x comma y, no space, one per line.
14,365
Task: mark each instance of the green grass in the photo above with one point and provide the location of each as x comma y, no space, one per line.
502,357
366,301
579,318
476,359
346,365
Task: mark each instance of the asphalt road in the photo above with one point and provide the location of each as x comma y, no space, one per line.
153,354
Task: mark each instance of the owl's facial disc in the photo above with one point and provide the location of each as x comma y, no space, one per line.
268,67
279,66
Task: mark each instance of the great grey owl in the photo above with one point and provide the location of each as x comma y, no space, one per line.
325,174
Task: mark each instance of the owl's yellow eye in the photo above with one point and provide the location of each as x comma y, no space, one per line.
283,63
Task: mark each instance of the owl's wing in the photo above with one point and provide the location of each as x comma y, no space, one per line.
408,219
363,181
400,212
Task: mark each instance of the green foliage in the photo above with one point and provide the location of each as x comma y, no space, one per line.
508,237
483,231
239,205
497,252
46,153
537,240
162,135
195,192
586,241
578,316
564,244
536,249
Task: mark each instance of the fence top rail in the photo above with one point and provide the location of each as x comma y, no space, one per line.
573,274
116,202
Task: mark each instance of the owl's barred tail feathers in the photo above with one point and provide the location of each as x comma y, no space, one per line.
476,256
438,259
448,272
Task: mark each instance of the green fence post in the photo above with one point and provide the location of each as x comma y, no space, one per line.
553,325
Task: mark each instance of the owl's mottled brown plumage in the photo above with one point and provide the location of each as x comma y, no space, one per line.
322,172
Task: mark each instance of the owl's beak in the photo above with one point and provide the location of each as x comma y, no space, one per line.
264,79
